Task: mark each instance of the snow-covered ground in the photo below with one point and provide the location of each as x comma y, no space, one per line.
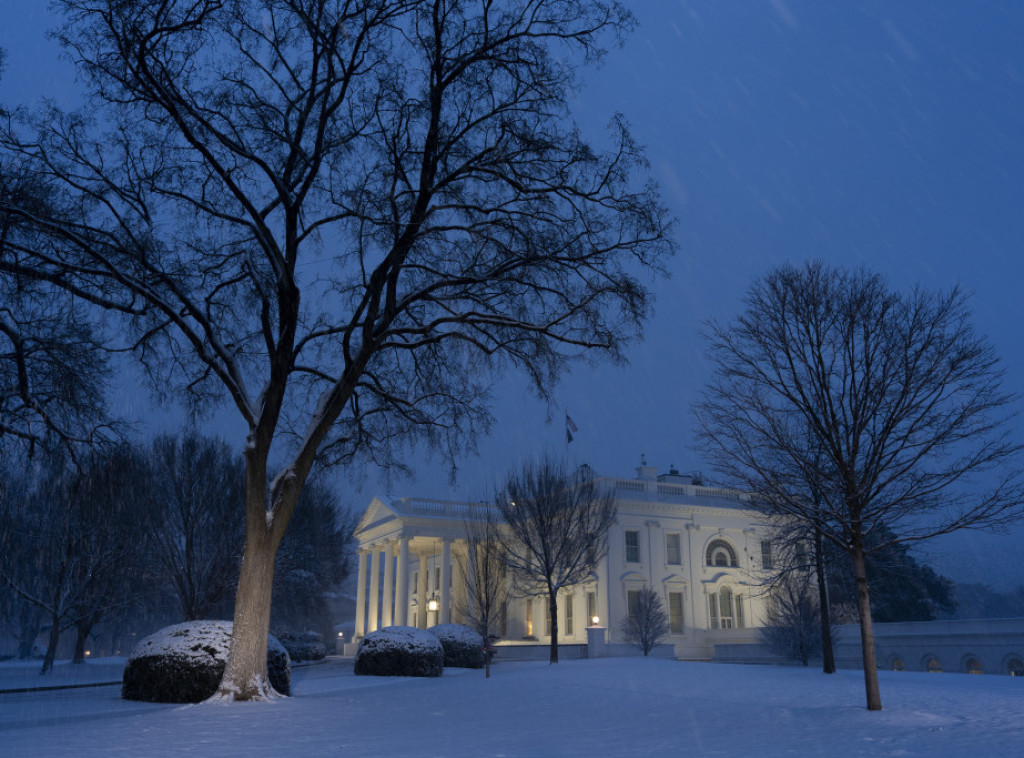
610,707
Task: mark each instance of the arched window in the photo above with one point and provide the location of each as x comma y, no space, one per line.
720,553
933,666
897,664
726,609
973,666
1015,667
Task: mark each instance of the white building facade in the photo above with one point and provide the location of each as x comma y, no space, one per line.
702,549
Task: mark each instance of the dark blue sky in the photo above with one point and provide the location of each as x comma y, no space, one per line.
871,133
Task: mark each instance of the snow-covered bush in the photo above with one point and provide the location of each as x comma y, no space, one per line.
306,646
463,646
184,663
400,651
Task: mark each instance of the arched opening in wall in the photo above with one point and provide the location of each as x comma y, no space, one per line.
721,553
933,665
973,666
726,609
897,664
1015,667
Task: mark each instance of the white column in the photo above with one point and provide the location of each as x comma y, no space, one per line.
421,590
402,584
361,594
374,617
389,586
446,580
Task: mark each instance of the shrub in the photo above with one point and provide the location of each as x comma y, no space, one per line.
307,646
463,646
184,663
399,651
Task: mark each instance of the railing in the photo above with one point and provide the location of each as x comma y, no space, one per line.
448,508
653,488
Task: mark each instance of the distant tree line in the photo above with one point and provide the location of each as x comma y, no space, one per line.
131,537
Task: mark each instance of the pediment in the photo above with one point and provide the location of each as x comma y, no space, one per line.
377,512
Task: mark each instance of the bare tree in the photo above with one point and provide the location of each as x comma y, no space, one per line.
194,525
888,405
67,543
557,530
646,623
792,623
338,215
798,556
53,372
485,574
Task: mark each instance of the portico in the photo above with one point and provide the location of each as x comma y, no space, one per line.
408,563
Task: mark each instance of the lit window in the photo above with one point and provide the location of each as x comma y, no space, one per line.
898,664
675,612
632,546
720,553
673,555
529,618
766,554
934,665
591,607
974,666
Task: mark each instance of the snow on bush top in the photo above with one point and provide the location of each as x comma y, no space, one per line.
458,633
407,638
199,640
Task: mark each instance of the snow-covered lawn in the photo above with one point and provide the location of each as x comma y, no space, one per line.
610,707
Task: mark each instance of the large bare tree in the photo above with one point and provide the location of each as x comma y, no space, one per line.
557,530
338,215
887,406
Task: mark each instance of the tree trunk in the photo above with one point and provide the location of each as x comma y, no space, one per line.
553,610
867,632
245,676
828,661
82,630
51,646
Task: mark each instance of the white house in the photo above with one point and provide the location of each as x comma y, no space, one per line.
703,549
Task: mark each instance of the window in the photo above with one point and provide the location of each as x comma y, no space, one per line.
529,618
973,666
725,610
591,607
632,603
720,553
632,546
673,555
898,664
675,612
547,616
1015,667
766,554
568,615
934,665
437,578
